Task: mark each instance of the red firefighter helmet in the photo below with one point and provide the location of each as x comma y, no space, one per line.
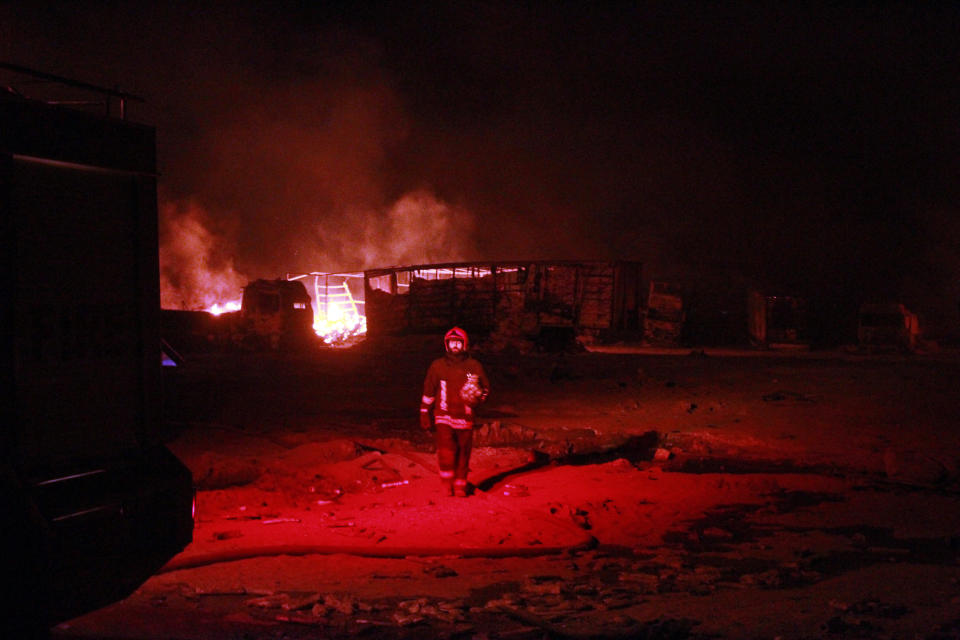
455,334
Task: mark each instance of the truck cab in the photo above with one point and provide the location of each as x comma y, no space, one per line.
276,314
887,327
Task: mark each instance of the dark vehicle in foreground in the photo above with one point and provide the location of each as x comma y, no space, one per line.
93,503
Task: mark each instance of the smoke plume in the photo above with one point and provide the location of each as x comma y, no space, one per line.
417,229
196,266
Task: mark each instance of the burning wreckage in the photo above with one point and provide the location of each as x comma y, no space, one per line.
514,304
273,314
519,304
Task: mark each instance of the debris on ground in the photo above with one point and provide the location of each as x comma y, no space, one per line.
728,480
787,396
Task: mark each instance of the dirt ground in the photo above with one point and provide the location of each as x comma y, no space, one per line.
618,494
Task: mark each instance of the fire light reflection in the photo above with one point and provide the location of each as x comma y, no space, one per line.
337,316
226,307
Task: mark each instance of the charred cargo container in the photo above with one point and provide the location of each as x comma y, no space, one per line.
887,326
93,503
777,321
663,321
545,301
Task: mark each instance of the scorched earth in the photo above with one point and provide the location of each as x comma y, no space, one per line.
623,494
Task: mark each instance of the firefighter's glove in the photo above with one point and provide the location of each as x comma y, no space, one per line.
425,422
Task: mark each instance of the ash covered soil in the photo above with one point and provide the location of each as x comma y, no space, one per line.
617,495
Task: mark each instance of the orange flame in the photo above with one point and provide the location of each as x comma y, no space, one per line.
336,316
217,308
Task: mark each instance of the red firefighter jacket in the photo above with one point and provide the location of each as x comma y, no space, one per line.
453,387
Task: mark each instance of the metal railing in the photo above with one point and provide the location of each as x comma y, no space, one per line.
107,96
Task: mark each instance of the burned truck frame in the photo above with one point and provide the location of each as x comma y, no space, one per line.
546,301
777,321
275,314
887,327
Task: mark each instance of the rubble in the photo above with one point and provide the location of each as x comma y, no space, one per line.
497,433
274,601
548,602
784,396
215,471
302,603
515,490
643,582
440,571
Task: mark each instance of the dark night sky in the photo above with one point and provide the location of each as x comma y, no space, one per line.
811,149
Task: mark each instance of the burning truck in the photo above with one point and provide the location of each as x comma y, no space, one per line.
272,315
338,303
280,315
520,304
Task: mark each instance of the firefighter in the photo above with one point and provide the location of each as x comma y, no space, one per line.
455,385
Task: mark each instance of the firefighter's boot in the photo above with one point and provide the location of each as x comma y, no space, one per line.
460,488
446,482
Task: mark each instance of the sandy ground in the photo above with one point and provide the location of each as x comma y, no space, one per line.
622,494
